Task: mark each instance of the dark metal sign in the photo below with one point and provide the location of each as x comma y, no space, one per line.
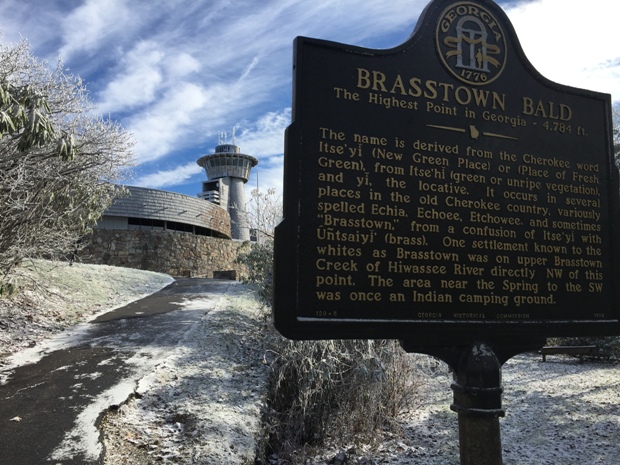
444,187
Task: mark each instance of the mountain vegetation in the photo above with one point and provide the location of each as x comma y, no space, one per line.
58,160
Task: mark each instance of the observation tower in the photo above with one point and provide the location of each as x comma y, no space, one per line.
227,171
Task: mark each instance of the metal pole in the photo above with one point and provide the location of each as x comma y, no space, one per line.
477,386
478,390
479,441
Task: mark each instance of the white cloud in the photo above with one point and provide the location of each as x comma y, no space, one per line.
188,113
93,22
148,70
163,128
571,43
172,177
249,68
181,65
266,135
264,139
138,84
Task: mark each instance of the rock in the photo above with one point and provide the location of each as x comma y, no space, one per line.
339,459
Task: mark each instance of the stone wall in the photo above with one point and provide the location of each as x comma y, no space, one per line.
176,254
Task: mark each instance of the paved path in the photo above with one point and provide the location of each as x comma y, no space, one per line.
59,399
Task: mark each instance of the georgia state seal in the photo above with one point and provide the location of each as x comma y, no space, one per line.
471,43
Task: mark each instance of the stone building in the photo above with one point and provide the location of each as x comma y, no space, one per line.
177,234
155,210
166,232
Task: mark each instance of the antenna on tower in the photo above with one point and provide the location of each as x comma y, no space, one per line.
234,139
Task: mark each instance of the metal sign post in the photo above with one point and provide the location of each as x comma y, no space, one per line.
478,389
445,194
477,400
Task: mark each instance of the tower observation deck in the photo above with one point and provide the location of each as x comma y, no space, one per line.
227,171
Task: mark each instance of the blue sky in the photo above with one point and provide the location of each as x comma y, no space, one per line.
178,73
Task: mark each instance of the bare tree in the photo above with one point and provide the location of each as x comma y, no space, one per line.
58,159
264,211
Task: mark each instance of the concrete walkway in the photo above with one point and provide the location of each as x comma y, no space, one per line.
49,410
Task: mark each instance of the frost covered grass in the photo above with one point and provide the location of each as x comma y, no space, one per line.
561,412
204,403
52,296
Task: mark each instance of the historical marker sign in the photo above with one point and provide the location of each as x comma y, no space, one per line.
444,187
